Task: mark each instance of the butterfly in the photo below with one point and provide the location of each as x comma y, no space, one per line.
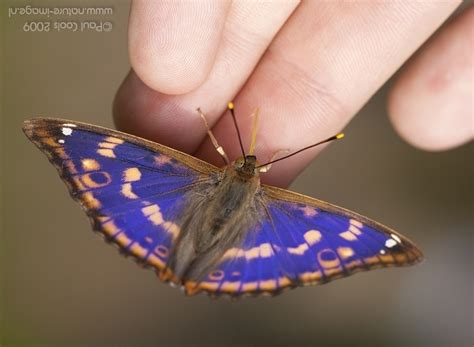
209,229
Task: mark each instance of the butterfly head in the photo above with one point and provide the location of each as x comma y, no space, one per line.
246,166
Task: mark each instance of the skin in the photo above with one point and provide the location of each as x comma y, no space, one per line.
309,66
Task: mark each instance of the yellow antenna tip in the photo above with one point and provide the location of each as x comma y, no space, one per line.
230,105
339,136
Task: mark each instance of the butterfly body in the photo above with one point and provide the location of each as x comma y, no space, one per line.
209,229
215,217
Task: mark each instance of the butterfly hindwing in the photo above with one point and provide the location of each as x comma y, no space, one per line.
132,189
302,241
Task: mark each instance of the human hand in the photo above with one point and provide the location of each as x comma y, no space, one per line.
309,67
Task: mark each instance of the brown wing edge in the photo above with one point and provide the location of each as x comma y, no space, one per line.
31,128
199,165
286,195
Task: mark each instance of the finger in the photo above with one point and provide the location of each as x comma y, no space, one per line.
322,67
431,103
172,119
173,44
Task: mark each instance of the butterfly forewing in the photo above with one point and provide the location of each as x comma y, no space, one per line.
131,188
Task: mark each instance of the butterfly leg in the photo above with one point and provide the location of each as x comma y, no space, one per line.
218,147
266,168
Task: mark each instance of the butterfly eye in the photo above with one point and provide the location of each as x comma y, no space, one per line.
239,162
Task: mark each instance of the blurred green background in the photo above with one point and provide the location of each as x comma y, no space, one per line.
61,285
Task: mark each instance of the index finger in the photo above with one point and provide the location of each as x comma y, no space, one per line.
173,44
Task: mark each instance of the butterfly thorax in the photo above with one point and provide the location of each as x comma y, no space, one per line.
216,220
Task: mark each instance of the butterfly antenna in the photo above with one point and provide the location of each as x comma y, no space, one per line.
230,106
332,138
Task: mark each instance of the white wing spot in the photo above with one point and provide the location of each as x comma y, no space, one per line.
153,213
252,253
396,238
266,250
300,250
66,131
312,237
132,174
347,235
127,191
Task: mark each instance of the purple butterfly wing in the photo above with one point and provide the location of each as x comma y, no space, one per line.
131,189
301,241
